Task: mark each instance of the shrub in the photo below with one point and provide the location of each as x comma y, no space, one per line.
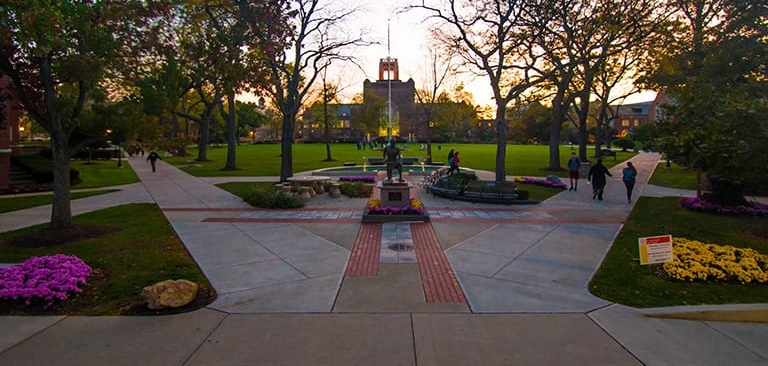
41,168
273,199
358,178
624,144
355,189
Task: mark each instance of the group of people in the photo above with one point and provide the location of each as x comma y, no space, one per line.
453,161
597,177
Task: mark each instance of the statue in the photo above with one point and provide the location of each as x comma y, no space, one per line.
392,154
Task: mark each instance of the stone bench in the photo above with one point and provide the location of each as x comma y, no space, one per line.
410,160
375,161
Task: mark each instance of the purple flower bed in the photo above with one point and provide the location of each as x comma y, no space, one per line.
542,182
358,178
391,210
698,204
47,278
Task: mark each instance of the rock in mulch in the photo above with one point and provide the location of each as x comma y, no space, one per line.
169,294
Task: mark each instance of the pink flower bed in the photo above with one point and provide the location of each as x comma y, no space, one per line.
541,182
698,204
358,178
391,210
47,278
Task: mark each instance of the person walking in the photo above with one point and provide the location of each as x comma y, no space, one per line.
152,159
628,175
454,163
573,171
597,176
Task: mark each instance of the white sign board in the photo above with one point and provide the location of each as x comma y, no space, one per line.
655,249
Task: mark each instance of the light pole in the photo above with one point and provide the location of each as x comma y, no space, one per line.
119,151
117,148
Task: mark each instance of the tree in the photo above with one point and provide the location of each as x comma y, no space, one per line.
489,38
366,115
317,39
440,69
713,72
57,54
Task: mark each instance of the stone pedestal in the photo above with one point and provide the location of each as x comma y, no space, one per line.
304,193
396,194
334,191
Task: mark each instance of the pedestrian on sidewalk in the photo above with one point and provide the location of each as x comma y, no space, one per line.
152,159
597,176
573,171
628,175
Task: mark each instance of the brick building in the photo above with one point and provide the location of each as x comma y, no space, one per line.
9,131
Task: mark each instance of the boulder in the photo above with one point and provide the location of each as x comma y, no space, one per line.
169,294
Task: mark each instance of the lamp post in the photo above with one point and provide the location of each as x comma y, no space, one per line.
117,148
119,151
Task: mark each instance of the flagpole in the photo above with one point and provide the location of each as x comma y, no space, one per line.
389,89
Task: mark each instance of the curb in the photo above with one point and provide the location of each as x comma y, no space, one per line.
743,313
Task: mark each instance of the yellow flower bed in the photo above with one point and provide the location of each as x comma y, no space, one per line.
697,261
374,202
416,203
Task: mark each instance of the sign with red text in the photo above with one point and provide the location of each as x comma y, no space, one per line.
655,249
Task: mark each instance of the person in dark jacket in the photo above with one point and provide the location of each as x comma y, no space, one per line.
597,177
152,159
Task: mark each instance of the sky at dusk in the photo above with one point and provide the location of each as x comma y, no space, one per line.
405,37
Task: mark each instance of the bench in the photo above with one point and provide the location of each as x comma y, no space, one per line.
607,152
410,160
375,161
382,161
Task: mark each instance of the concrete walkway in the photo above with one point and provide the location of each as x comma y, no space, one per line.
284,298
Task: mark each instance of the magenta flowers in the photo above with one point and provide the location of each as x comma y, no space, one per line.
541,182
47,278
698,204
358,178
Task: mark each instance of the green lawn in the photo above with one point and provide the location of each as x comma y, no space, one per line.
674,176
622,279
264,159
103,173
142,251
24,202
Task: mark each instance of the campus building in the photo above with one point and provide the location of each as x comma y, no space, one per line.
9,131
389,109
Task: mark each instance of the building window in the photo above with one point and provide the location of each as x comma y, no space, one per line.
625,123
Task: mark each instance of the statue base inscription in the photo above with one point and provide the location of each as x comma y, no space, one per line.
396,194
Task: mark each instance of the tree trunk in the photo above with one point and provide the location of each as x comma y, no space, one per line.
61,210
231,132
202,139
501,144
286,142
327,128
554,132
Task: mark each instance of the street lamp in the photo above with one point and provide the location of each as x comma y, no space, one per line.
119,151
117,148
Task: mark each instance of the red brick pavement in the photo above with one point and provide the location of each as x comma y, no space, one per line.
364,259
437,276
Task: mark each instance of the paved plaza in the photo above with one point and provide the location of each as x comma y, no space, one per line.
485,285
